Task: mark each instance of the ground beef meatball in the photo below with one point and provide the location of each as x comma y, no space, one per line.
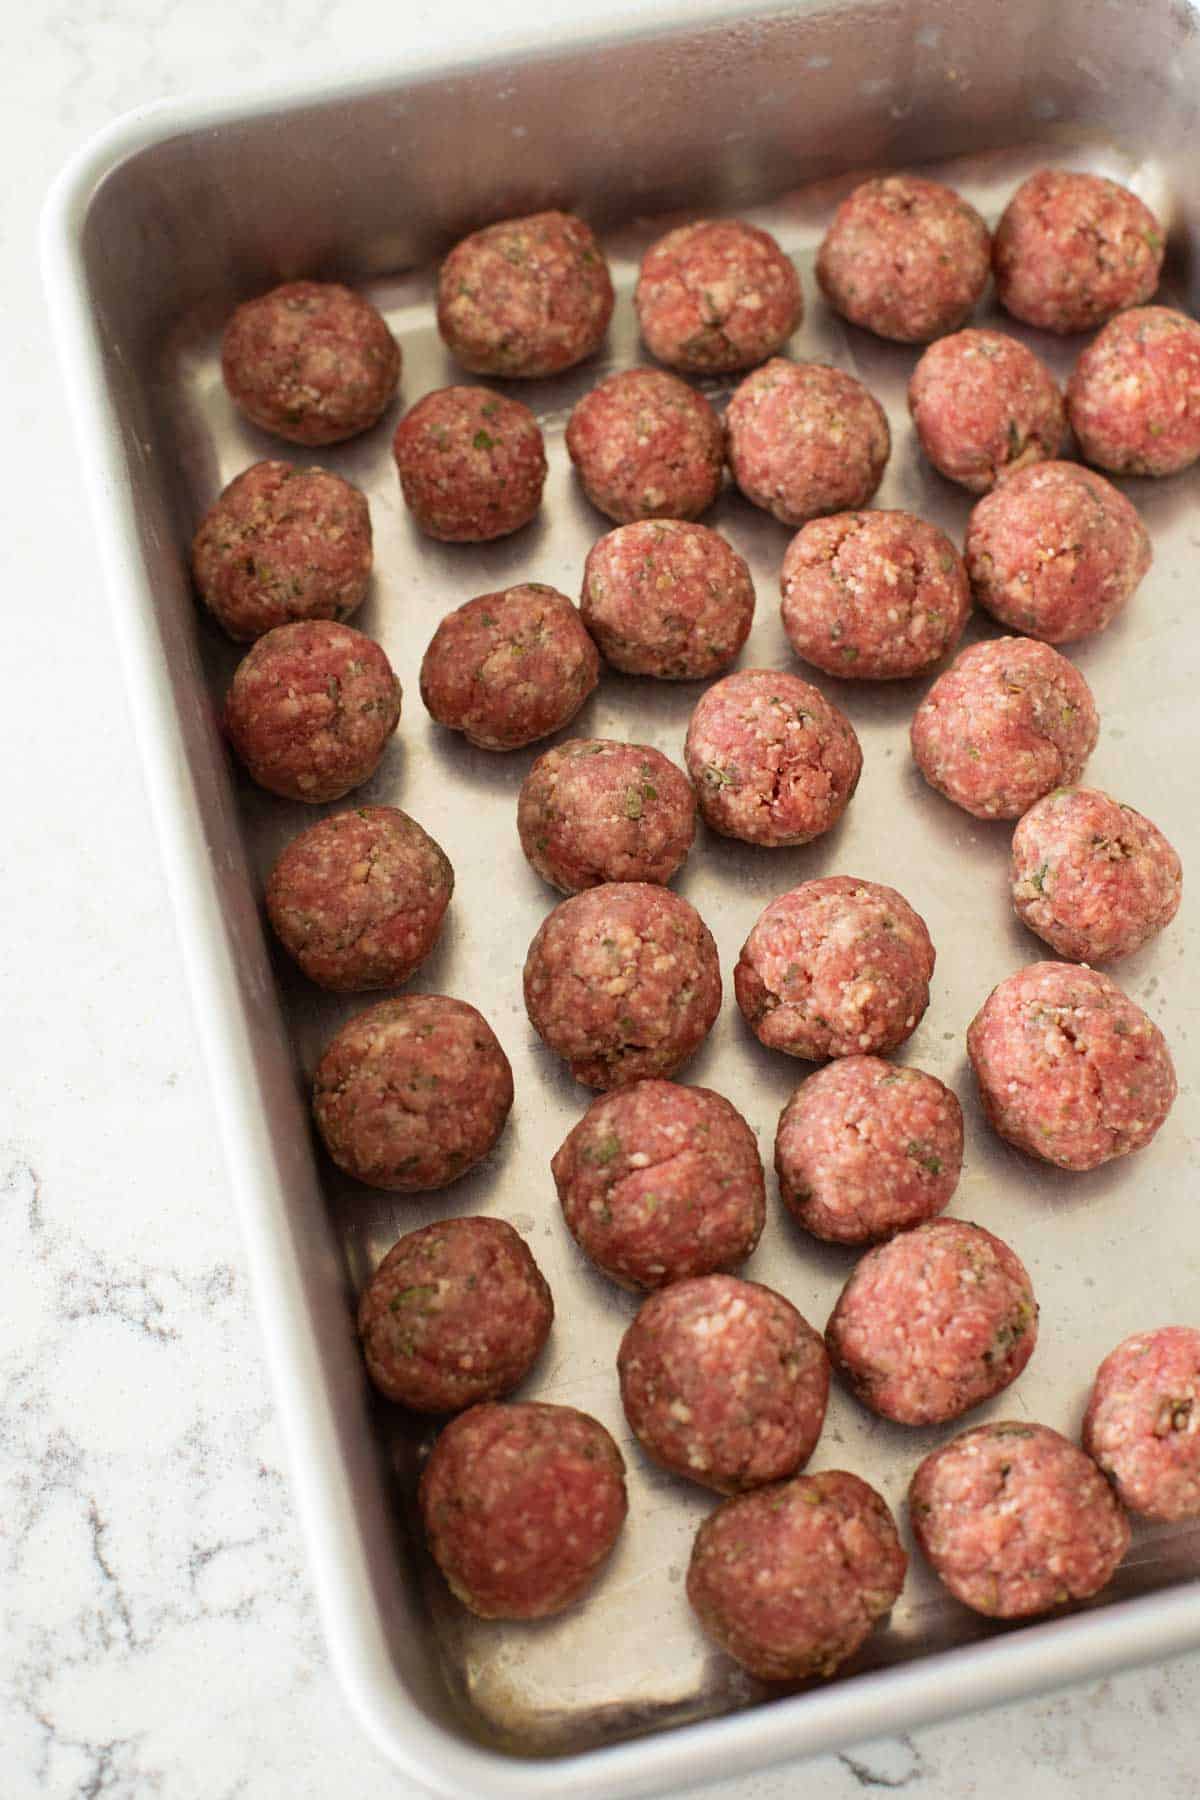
456,1312
1142,1423
525,297
593,810
1134,395
716,296
522,1503
874,596
667,598
1008,721
772,760
658,1182
623,981
647,446
1092,877
835,967
311,362
983,405
412,1093
904,257
1073,249
805,439
1069,1068
866,1148
509,668
310,710
790,1580
1016,1520
359,899
471,464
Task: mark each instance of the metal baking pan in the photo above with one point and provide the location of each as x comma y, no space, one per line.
151,236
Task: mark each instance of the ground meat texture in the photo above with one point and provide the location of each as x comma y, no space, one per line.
647,446
525,297
804,439
790,1580
1092,877
1142,1423
659,1182
623,981
1008,721
865,1149
906,258
716,296
983,405
310,710
522,1503
510,667
359,899
835,967
1073,249
593,810
1134,395
471,463
311,362
412,1093
666,598
773,761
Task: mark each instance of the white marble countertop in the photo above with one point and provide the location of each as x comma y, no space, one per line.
158,1632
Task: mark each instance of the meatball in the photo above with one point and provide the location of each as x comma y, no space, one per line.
310,710
647,446
667,598
877,596
521,1504
835,967
790,1580
865,1149
593,810
659,1182
471,464
311,362
412,1093
456,1312
623,981
1073,249
983,405
1008,721
1142,1423
716,296
1015,1520
1134,395
904,257
525,297
1092,877
772,760
510,667
803,439
359,899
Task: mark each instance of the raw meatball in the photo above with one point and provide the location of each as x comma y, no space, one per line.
525,297
521,1504
865,1148
456,1312
877,596
1056,552
724,1382
1008,721
1143,1422
666,598
803,439
772,760
1069,1068
310,710
359,899
510,667
1092,877
659,1182
835,967
933,1323
412,1093
1072,249
282,544
905,258
1134,395
647,446
984,405
311,362
790,1581
593,810
716,296
471,464
1016,1520
623,981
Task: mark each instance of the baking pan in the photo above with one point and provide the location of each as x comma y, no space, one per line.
151,236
